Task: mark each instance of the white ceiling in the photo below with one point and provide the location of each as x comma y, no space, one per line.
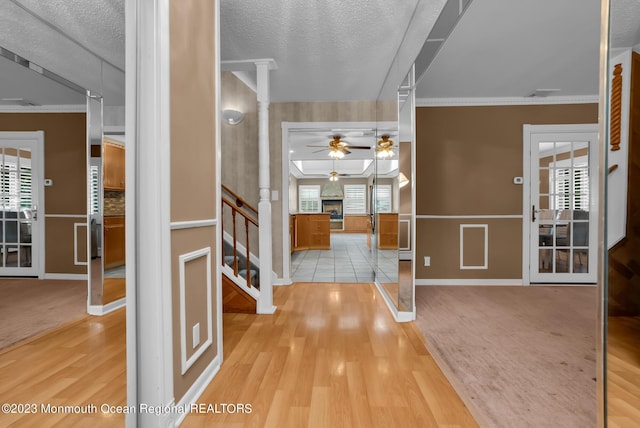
82,41
335,50
506,48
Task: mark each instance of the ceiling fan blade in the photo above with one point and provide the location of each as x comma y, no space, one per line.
326,147
346,152
359,147
318,151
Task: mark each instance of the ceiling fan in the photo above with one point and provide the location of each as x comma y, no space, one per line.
384,149
339,148
333,175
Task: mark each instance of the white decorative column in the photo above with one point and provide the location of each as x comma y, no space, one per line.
265,302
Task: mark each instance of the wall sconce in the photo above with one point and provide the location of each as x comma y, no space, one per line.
402,180
232,117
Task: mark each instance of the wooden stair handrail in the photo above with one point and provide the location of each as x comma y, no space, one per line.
239,200
238,209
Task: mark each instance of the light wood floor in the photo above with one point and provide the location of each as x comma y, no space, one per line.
332,356
79,363
623,372
113,289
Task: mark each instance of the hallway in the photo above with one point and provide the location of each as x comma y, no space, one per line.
348,260
331,356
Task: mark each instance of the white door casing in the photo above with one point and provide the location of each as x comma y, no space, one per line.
22,204
560,204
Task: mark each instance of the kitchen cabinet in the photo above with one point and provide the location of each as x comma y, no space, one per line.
311,232
113,166
356,223
113,243
388,231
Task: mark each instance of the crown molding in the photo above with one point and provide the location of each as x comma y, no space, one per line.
506,101
71,108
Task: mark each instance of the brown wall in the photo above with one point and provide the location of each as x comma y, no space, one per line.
346,111
65,141
193,174
624,258
466,159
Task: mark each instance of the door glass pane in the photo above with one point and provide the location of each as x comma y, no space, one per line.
562,261
546,260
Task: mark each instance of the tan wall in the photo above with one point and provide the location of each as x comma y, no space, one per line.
65,140
193,174
239,144
466,159
347,111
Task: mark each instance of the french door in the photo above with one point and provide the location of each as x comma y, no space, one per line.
563,203
21,232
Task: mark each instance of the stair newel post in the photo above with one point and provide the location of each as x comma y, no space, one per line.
265,301
235,249
222,229
246,229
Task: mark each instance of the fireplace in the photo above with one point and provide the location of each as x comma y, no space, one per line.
333,207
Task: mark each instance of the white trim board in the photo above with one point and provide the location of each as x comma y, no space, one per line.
191,224
71,108
505,101
186,363
100,310
66,276
397,315
468,282
197,388
480,216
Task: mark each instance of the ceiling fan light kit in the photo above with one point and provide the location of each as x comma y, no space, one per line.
384,149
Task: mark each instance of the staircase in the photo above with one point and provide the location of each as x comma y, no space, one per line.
241,277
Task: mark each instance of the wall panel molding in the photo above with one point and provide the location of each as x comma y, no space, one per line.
187,362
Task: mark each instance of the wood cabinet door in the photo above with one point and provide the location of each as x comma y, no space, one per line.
114,242
114,166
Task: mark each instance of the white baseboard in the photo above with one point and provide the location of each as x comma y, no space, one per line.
68,276
100,310
281,282
397,315
468,282
197,389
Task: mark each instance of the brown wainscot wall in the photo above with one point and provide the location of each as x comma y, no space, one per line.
466,160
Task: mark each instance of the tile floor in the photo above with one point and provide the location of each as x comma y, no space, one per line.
348,260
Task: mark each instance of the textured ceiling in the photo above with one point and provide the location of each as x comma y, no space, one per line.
625,23
79,40
332,50
506,48
326,50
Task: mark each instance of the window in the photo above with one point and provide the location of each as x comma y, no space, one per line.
383,198
15,184
95,189
570,185
355,198
309,198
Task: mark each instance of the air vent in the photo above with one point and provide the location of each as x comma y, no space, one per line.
18,102
543,93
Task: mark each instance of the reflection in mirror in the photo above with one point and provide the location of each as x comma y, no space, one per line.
113,219
622,296
94,215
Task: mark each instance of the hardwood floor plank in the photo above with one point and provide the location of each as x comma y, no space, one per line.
312,364
336,358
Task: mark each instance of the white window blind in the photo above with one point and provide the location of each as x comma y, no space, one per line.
383,198
95,189
355,198
570,186
15,185
309,198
